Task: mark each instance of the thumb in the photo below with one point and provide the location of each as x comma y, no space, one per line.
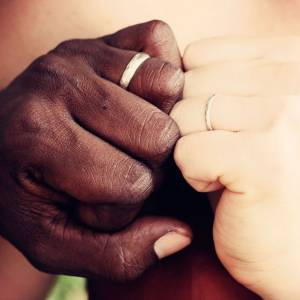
71,249
142,244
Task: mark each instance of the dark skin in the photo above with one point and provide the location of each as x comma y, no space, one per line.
80,155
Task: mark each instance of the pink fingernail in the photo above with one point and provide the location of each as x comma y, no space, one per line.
171,243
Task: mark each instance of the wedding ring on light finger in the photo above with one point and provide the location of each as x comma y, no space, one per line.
208,108
131,68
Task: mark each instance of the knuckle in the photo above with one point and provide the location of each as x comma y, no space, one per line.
199,49
49,64
38,123
169,83
178,110
83,52
68,47
139,183
128,182
188,55
32,117
179,156
159,31
60,78
160,136
162,82
26,125
167,138
48,74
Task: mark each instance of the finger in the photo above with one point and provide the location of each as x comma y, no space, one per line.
230,113
156,80
89,169
126,121
161,80
244,79
107,217
226,49
155,38
212,159
121,256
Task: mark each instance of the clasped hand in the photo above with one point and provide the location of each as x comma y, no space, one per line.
252,155
80,155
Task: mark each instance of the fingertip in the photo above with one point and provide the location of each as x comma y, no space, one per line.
186,156
179,152
157,138
159,82
160,41
171,243
166,141
195,53
181,118
186,58
173,86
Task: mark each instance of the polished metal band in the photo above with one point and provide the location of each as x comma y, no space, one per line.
209,104
133,65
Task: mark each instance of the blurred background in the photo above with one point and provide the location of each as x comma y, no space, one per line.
68,288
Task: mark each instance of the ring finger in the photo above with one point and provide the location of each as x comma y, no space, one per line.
227,112
155,80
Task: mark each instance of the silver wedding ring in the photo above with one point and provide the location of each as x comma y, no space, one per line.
208,107
132,67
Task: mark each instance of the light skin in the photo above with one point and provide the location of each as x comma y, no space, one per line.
251,155
76,19
28,30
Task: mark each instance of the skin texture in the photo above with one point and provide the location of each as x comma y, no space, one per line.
194,273
28,30
79,155
252,155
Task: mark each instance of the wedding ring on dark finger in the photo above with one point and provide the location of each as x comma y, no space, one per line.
131,68
208,108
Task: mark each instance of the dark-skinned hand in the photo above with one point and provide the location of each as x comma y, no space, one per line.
79,155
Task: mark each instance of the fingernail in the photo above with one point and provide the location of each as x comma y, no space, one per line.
171,243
